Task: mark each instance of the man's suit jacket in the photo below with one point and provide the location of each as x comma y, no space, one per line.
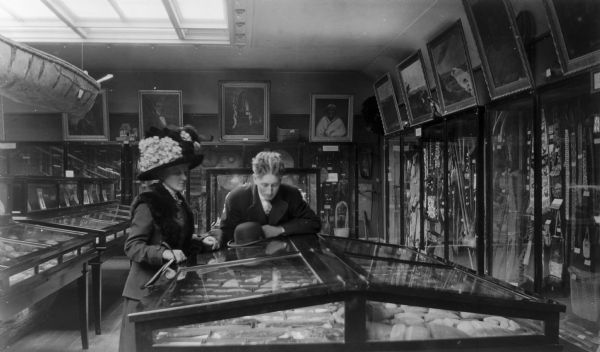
288,210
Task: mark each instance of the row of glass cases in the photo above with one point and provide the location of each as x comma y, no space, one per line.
329,293
45,251
513,191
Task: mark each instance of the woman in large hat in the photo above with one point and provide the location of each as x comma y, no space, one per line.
162,223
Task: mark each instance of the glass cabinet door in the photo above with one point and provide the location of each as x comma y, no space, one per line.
394,189
510,229
433,147
462,206
411,167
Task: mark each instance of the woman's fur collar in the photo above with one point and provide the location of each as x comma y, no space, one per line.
164,211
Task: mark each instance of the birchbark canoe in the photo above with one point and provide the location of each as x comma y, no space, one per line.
36,78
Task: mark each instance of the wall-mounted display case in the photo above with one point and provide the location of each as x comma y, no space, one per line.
329,293
34,159
393,190
433,145
94,160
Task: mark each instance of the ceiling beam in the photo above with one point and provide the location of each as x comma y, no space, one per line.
168,4
64,18
117,9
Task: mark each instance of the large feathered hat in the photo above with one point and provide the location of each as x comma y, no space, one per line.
163,148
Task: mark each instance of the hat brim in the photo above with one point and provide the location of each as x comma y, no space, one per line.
232,244
152,174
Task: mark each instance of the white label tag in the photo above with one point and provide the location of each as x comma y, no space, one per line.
577,250
587,262
548,222
597,219
418,132
556,203
69,173
8,145
331,148
596,140
586,193
332,177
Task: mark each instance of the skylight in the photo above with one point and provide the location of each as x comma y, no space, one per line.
116,21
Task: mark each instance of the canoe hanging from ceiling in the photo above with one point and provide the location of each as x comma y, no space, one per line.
33,77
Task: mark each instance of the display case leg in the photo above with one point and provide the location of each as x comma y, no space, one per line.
96,265
355,321
82,288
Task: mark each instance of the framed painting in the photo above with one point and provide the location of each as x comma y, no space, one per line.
503,58
452,70
331,118
415,89
575,29
244,111
93,126
160,109
388,105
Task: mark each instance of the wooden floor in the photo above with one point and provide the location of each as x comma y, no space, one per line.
58,330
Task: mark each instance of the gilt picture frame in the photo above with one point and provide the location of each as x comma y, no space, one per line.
574,29
387,103
244,111
503,58
160,109
331,118
93,126
415,89
452,70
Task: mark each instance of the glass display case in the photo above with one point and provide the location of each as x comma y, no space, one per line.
94,160
463,209
222,181
327,292
393,190
510,227
35,159
42,196
68,194
570,150
434,188
411,187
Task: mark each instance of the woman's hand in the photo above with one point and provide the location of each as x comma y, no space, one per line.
272,231
211,242
176,254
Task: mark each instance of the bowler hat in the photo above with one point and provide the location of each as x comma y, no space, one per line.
247,234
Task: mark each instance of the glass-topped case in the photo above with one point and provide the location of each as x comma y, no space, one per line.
27,250
35,159
328,291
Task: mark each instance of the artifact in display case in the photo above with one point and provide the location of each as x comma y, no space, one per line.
336,185
512,197
5,196
42,196
222,181
433,147
394,195
95,160
462,203
411,166
68,194
343,294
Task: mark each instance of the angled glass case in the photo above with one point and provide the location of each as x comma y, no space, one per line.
327,292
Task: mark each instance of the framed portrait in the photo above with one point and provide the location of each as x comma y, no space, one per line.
93,126
160,109
415,89
574,26
388,104
331,118
452,70
244,111
503,59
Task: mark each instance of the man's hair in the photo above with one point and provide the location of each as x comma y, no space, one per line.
268,163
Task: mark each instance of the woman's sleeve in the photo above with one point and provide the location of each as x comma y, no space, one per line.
137,245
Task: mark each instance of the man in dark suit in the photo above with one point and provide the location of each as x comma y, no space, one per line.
279,208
